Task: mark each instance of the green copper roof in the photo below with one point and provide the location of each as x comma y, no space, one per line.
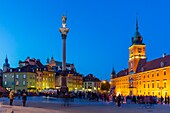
137,38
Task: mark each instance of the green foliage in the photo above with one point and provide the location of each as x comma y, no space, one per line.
105,86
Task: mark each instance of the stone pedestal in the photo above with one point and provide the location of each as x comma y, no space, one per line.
64,87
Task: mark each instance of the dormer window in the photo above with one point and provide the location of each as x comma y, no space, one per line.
19,70
142,69
44,69
10,70
162,64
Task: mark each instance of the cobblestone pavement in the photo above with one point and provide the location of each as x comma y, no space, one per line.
80,106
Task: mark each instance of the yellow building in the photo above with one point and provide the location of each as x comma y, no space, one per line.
74,82
48,80
142,77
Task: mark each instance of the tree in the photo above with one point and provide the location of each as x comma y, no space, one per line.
105,85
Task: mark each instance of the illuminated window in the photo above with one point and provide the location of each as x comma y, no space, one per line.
17,83
159,93
17,76
24,76
152,85
164,72
5,82
157,85
23,83
164,84
5,76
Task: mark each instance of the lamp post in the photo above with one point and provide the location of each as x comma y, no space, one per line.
64,31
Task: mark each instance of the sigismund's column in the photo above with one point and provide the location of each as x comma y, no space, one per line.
64,31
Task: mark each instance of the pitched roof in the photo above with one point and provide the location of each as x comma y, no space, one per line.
90,78
154,64
27,68
146,66
122,73
60,63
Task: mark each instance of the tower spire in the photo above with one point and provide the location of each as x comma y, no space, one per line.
136,22
6,59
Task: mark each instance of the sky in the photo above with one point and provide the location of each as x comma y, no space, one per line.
99,37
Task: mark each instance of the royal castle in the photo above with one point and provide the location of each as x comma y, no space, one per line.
142,77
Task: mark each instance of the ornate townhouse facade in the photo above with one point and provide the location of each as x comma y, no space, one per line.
91,83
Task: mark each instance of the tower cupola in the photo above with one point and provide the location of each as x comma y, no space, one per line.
137,38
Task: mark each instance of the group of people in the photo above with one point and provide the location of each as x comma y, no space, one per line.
120,99
12,97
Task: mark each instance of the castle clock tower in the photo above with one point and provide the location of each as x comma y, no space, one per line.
136,51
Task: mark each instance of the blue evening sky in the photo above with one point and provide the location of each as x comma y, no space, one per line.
100,31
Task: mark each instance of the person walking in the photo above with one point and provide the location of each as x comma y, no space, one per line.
162,99
118,100
11,97
24,98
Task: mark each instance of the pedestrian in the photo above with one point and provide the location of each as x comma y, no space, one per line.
165,100
118,100
122,99
11,97
19,95
168,100
24,98
66,99
162,99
